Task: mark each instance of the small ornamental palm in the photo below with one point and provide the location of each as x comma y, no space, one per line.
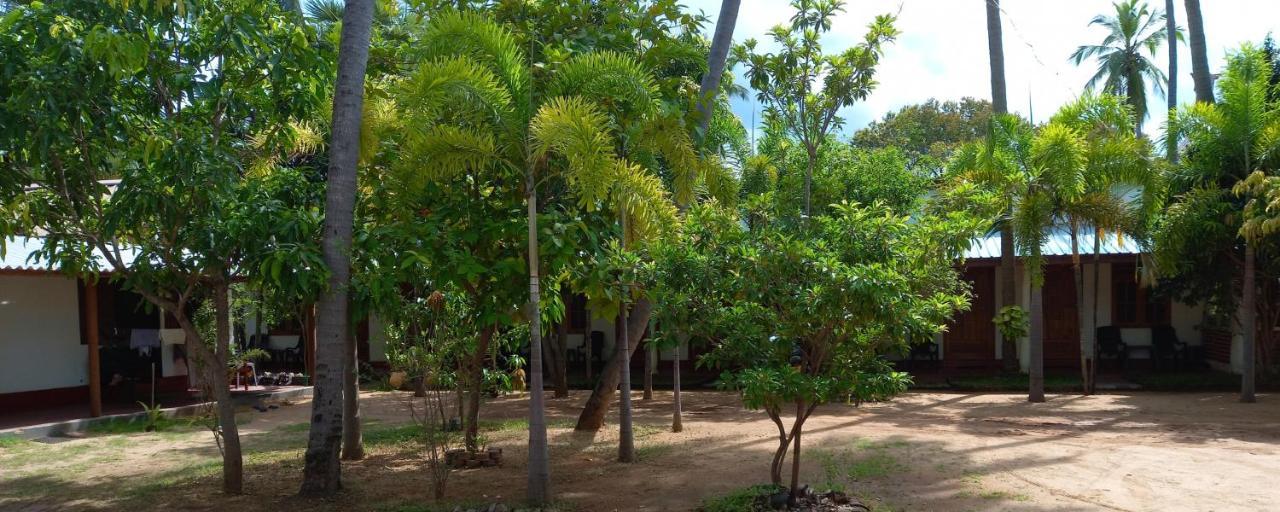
472,109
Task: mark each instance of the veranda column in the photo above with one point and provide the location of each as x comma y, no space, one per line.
95,369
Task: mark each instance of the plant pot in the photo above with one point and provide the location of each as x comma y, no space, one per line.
396,379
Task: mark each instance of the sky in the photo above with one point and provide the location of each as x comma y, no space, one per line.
942,49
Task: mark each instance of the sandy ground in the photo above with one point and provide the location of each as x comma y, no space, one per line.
943,452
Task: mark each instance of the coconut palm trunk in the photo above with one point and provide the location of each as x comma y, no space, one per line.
1199,53
322,471
721,41
999,105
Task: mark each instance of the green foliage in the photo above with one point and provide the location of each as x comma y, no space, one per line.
802,316
1012,322
1221,194
929,132
802,88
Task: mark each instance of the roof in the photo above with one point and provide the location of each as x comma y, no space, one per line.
19,252
1058,244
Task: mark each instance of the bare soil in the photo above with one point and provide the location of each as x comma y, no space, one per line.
922,451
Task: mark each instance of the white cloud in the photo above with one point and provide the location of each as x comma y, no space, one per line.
942,51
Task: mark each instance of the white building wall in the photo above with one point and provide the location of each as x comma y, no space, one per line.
40,334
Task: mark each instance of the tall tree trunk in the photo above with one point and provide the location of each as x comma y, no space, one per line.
648,371
322,472
232,460
677,423
1036,348
1082,318
808,184
1000,105
626,440
352,441
721,42
474,384
1093,324
539,468
586,342
1199,53
796,430
995,51
1171,27
560,353
1249,324
593,413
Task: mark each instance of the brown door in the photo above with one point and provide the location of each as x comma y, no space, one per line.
970,340
1061,321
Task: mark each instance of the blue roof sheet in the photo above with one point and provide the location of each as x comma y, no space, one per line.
1058,244
19,251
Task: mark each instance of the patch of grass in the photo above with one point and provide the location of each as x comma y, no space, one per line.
181,476
1186,381
741,500
873,466
378,435
1013,382
1001,495
12,442
519,425
652,451
163,423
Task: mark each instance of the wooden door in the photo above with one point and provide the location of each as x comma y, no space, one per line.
970,340
1061,320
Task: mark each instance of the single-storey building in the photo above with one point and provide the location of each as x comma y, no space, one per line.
972,342
66,341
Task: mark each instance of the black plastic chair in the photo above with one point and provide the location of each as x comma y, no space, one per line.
1111,344
1166,345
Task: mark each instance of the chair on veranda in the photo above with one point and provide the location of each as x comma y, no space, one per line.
1166,345
1111,344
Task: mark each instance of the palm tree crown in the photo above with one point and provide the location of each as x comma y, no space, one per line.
1124,67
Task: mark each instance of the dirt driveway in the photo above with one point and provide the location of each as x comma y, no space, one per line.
944,452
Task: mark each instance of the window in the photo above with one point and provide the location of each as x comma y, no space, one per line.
1133,304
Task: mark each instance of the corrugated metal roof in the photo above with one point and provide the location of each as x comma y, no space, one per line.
20,249
1058,244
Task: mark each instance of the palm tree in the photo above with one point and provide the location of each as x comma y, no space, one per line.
1037,176
322,473
1123,67
1199,53
469,106
721,42
999,105
1226,143
1114,158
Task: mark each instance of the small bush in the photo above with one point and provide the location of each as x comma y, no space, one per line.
742,500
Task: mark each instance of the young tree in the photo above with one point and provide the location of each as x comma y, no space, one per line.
802,315
804,89
1123,69
173,100
1202,240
